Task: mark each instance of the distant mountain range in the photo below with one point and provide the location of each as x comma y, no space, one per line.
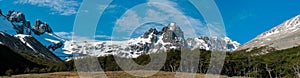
170,37
18,34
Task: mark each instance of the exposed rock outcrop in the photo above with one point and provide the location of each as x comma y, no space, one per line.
41,27
21,25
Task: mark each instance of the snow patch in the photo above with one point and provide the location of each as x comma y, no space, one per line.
21,37
54,41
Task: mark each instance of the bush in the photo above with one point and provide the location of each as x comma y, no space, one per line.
9,72
35,70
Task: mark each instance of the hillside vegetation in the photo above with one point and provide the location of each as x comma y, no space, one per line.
23,62
283,63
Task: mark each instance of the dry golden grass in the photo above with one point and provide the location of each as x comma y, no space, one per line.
110,74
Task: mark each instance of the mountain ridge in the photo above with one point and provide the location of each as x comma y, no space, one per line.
283,36
152,41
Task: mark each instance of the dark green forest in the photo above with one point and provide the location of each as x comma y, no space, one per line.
282,63
12,62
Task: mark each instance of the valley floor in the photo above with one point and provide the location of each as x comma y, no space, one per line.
110,74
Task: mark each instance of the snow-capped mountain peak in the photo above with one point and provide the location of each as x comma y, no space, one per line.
213,43
170,37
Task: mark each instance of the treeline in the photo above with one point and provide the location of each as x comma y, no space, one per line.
283,63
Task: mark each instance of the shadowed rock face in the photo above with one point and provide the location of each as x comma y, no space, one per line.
173,34
41,27
283,36
13,43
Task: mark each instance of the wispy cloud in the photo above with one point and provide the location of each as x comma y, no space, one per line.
165,12
69,36
65,35
102,7
103,36
62,7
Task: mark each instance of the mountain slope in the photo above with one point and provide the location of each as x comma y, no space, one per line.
39,38
26,43
283,36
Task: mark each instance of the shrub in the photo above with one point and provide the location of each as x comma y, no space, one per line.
9,72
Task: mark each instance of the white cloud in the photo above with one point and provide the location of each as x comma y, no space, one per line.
129,21
103,7
103,36
62,7
164,12
65,35
68,35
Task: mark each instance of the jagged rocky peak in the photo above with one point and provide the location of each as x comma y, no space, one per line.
14,16
151,31
20,24
172,33
41,27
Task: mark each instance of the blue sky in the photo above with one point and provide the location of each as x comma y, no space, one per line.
243,19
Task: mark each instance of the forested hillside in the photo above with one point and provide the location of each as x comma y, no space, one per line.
283,63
